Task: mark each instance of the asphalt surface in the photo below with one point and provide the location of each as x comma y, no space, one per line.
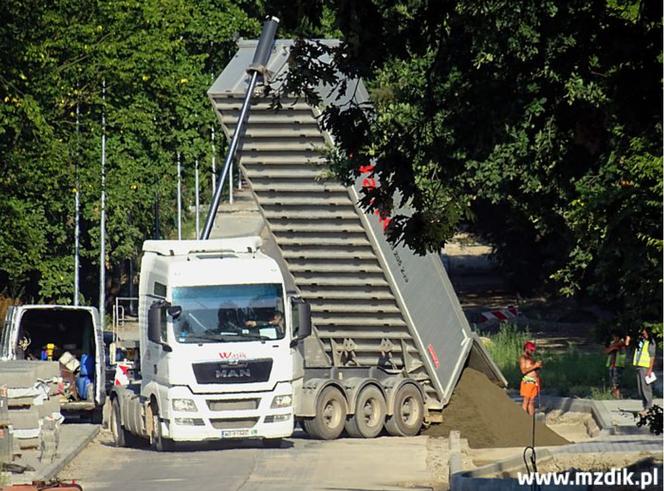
385,463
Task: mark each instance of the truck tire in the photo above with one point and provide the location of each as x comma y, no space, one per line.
369,417
330,415
121,437
157,441
408,412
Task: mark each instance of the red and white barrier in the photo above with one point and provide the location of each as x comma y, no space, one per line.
501,315
122,373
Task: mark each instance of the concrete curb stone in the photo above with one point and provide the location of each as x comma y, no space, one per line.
50,471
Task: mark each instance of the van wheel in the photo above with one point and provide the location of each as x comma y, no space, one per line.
121,437
157,441
408,412
369,417
330,415
97,415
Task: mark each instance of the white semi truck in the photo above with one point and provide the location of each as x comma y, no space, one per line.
325,323
218,337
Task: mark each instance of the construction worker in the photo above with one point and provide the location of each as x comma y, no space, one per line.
644,362
530,380
615,362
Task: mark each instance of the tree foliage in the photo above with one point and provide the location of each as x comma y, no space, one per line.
537,123
156,59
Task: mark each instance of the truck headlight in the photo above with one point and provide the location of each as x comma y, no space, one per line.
189,422
183,405
282,401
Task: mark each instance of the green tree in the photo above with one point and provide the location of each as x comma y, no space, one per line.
538,122
156,59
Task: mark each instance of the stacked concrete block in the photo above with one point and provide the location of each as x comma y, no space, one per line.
32,401
6,440
25,426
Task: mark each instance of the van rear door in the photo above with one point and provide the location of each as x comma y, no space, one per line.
5,341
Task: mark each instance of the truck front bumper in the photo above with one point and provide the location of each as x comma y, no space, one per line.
228,416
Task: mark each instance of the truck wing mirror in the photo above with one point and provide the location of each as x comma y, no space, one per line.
304,312
155,320
174,311
301,319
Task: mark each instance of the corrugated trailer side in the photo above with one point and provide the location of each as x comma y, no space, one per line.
375,308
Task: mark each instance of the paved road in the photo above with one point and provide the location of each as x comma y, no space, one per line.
302,464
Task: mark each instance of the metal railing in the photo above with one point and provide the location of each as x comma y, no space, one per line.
124,308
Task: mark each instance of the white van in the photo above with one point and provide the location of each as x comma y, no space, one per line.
36,332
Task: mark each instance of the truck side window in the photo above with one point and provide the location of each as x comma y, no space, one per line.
159,289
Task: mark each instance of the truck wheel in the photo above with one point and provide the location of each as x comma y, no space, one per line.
121,437
330,415
369,417
408,412
157,440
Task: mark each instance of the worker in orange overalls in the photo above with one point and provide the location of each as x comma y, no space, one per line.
530,380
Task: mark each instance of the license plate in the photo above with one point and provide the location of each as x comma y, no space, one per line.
238,433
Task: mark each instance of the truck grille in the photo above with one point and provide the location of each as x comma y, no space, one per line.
233,424
235,372
232,404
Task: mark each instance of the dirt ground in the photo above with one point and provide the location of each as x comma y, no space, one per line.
487,417
575,427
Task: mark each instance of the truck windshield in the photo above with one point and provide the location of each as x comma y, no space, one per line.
228,313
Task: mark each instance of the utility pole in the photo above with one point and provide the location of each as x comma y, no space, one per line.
179,200
214,164
257,67
102,221
198,202
77,207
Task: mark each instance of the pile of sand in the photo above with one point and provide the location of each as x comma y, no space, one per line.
487,417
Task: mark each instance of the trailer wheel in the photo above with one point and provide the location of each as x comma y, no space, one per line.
121,437
369,417
157,440
330,415
408,412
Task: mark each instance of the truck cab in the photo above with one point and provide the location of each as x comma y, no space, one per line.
217,345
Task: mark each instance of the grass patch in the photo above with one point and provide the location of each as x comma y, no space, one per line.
571,373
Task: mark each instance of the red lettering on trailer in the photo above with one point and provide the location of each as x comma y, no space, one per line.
369,182
434,356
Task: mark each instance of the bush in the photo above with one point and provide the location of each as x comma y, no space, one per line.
570,373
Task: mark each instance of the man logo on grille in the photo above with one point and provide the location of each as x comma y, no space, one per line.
232,373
